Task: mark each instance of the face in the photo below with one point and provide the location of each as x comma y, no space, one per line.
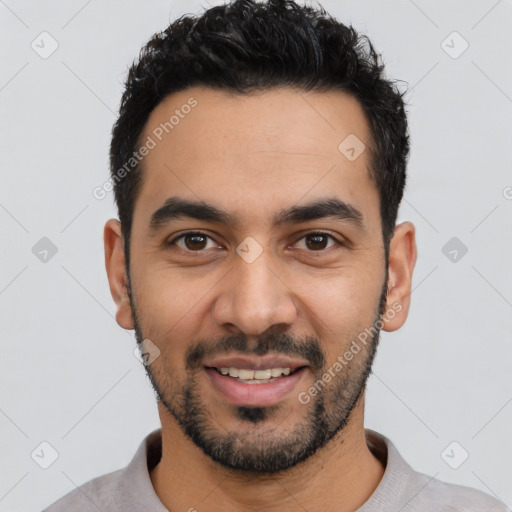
256,265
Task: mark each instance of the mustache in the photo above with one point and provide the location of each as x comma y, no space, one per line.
306,347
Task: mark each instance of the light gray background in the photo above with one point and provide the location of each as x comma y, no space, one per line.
68,375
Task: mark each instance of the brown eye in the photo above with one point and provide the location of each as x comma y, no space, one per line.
191,241
317,242
194,242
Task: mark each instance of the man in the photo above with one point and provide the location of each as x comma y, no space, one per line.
258,164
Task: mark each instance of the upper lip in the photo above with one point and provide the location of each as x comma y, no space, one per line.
256,363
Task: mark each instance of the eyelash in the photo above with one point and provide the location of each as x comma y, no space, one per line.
199,233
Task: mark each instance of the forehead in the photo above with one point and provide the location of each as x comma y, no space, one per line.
249,152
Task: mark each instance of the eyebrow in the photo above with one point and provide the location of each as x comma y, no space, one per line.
176,208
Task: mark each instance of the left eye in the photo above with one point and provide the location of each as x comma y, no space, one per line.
196,241
317,241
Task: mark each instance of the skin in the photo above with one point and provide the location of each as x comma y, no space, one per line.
253,156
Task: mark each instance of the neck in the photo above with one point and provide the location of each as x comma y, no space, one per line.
340,477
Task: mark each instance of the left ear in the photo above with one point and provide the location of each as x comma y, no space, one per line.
402,258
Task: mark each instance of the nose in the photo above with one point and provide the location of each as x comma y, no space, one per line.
254,297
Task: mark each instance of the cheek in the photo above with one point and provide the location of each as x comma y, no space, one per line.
341,307
345,295
170,308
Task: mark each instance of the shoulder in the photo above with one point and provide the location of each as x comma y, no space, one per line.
128,488
405,489
447,497
98,493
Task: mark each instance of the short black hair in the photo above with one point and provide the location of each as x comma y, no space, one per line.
244,46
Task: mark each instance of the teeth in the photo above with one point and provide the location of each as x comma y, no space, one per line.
254,374
263,374
246,374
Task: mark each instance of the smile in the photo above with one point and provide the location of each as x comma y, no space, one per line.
257,388
255,376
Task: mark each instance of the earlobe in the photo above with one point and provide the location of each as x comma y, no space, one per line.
402,258
115,264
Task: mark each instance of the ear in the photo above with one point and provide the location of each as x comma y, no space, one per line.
115,264
402,258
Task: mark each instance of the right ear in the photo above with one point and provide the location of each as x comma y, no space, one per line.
115,263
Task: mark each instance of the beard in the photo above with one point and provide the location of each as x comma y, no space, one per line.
257,447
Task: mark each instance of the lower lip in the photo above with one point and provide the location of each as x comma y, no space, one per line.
255,395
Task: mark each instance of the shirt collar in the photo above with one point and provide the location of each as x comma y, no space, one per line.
135,482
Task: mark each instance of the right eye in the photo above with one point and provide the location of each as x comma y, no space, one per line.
191,241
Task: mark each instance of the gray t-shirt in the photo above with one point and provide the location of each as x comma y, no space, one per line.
401,488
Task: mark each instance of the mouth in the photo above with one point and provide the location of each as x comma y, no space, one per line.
254,387
256,376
